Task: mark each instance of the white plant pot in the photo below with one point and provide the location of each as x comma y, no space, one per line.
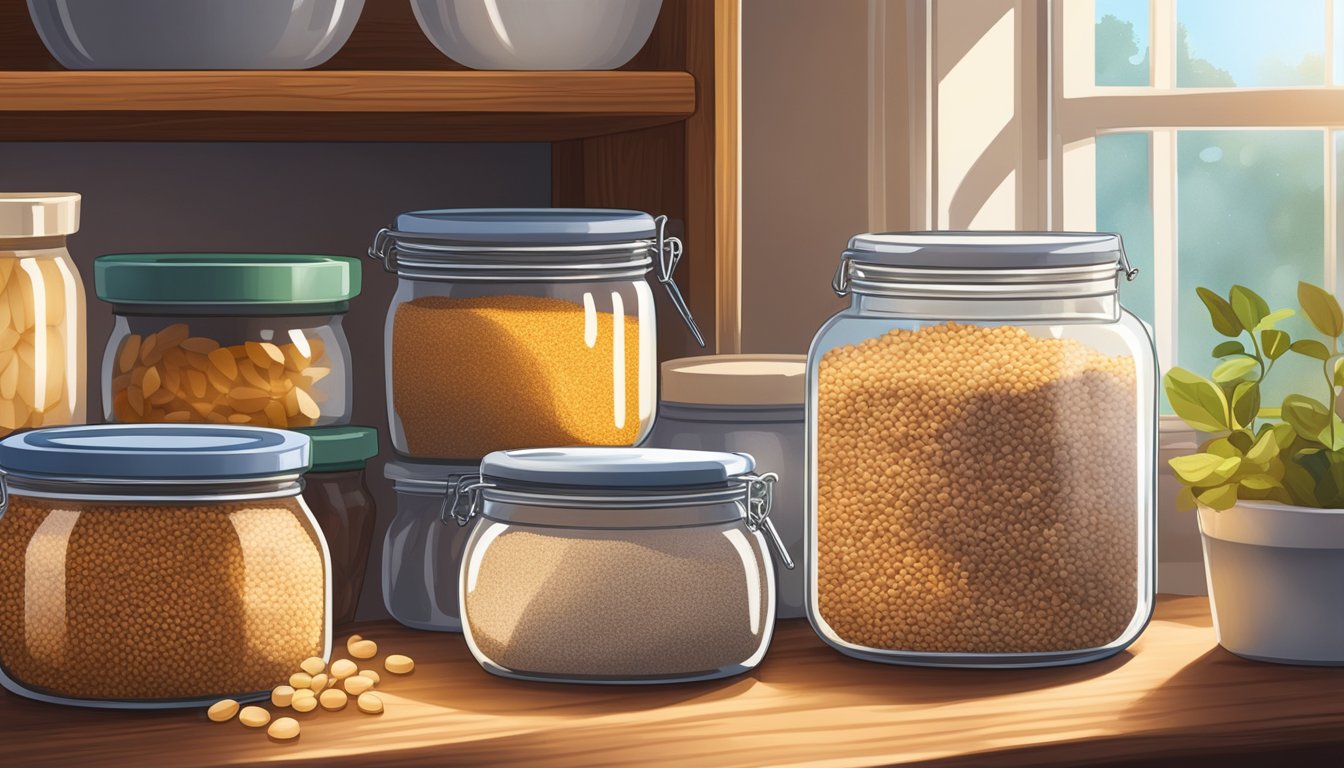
1276,581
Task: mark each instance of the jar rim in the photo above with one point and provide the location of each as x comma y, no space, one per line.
591,510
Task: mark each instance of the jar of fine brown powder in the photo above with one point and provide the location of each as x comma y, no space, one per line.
618,565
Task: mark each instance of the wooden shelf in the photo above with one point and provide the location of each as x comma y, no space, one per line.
338,105
1174,698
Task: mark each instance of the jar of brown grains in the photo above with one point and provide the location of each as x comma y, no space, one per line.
523,328
981,452
154,565
617,565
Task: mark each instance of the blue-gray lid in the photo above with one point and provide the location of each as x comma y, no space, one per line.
616,467
529,226
155,452
985,250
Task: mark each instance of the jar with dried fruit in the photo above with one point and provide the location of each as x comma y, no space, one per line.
253,339
42,376
157,565
981,452
554,302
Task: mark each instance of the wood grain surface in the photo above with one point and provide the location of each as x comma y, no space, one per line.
1173,698
338,104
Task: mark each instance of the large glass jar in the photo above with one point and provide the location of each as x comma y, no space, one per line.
42,376
422,551
617,565
338,495
157,565
515,328
749,404
217,338
981,452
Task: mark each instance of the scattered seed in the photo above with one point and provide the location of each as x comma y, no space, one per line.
254,717
333,699
369,704
312,665
398,664
284,729
222,711
362,649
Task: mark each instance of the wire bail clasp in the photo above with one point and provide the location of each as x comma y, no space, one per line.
670,250
760,500
840,283
384,249
1129,271
470,487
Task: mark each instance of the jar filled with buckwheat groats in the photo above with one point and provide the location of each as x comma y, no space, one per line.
523,327
157,565
981,452
220,338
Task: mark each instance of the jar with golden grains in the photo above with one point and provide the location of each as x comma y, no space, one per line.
218,338
157,565
515,328
981,452
42,369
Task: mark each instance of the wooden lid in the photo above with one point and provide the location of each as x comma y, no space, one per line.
736,380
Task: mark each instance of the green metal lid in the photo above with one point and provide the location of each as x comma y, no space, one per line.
226,278
341,448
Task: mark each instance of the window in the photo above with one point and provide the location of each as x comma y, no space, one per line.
1209,134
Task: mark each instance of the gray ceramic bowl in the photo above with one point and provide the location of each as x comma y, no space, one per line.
194,34
538,34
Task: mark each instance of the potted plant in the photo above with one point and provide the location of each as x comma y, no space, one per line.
1269,484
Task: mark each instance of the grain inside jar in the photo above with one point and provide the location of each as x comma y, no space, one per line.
475,375
132,601
975,492
175,376
41,341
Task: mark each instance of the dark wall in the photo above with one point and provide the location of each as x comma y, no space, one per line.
278,197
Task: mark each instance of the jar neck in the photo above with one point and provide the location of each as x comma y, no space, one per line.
579,508
143,491
740,414
32,243
1097,309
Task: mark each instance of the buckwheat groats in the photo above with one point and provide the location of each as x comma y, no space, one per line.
174,376
975,492
133,601
474,375
662,603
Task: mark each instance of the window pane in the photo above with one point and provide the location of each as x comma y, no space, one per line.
1122,42
1250,210
1250,43
1124,206
1338,38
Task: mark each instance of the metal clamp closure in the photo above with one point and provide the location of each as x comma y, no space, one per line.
670,250
470,487
4,495
760,500
1130,272
384,249
840,283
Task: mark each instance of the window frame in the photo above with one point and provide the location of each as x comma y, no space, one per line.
1082,110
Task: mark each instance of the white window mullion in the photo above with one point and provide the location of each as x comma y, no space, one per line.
1331,273
1162,162
1162,43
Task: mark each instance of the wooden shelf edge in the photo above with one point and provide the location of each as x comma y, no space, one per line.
367,91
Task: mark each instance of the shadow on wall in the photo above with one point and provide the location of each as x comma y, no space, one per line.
325,198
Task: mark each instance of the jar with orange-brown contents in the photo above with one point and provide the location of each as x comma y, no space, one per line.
981,452
251,339
157,565
518,328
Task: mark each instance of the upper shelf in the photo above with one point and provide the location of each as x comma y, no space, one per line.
337,105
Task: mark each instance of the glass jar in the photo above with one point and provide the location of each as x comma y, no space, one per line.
748,404
422,552
42,376
981,452
552,301
157,565
253,339
617,565
337,494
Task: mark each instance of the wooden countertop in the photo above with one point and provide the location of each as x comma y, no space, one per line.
1174,698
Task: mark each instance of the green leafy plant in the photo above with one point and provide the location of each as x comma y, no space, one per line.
1294,454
